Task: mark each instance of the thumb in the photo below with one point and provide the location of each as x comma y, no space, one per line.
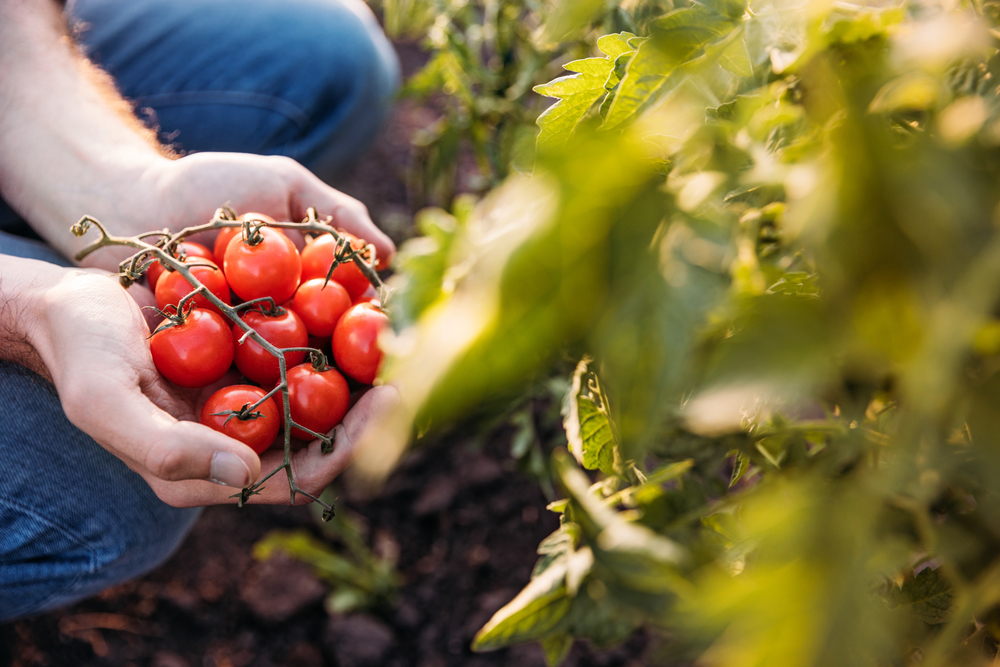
149,440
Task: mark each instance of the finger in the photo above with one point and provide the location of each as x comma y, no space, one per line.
150,441
348,213
315,470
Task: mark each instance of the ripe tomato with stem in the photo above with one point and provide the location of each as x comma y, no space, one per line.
226,234
262,262
318,255
193,349
318,398
185,250
172,286
280,327
228,411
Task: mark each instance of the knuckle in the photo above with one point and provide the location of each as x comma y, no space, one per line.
166,463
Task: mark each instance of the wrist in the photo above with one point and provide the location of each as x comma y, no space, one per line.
24,284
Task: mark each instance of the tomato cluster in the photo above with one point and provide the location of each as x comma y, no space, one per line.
293,307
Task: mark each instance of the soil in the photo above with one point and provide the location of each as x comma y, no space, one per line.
465,526
464,523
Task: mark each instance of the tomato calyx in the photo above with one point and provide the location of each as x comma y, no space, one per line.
343,253
246,413
171,319
251,232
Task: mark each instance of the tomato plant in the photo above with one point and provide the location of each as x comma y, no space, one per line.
318,256
320,306
262,262
282,328
355,342
172,286
194,349
227,411
318,399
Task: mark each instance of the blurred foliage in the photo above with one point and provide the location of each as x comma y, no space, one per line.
770,236
359,578
485,57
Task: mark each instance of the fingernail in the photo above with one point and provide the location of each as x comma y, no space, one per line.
229,470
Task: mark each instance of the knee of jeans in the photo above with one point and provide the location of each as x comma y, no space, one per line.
354,101
137,540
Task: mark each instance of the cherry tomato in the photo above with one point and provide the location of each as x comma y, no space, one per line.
226,235
318,400
172,286
195,353
320,307
270,268
355,342
317,257
258,432
188,249
283,330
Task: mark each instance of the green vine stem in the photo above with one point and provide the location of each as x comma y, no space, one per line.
133,268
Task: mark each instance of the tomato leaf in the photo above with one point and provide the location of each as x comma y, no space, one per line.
556,647
530,615
588,424
928,595
682,43
578,92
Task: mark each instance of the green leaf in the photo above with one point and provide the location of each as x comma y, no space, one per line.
741,464
682,43
556,548
530,615
634,555
928,594
588,424
556,647
736,59
578,92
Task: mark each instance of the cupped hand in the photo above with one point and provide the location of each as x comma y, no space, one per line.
186,192
91,336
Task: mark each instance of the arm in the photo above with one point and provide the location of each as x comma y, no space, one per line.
70,146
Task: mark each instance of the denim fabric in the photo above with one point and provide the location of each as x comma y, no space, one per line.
310,79
73,518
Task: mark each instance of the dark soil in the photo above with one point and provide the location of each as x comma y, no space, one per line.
465,525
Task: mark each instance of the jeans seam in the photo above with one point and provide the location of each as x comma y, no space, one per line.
228,97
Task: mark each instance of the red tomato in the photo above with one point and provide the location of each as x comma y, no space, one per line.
195,353
318,400
355,342
226,235
317,257
257,433
172,286
188,249
270,268
284,330
320,307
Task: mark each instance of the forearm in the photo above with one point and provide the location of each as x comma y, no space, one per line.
69,145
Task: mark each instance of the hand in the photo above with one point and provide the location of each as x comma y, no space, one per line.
186,192
91,337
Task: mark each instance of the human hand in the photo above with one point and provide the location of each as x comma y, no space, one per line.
187,191
91,337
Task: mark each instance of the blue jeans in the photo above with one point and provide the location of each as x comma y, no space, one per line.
310,79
